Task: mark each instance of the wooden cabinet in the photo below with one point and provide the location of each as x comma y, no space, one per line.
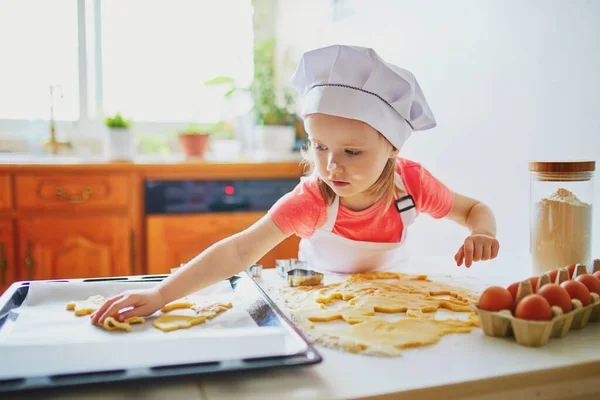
60,221
74,247
5,192
173,240
7,255
64,191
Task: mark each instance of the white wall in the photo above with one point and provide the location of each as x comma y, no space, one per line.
508,81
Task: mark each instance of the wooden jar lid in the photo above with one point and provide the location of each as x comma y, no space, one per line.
562,166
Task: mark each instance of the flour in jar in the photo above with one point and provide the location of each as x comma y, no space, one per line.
560,232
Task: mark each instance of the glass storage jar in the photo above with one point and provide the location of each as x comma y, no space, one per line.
561,197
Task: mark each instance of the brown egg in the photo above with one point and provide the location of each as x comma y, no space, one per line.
553,275
496,298
597,274
577,290
556,296
513,288
571,269
591,282
534,307
534,281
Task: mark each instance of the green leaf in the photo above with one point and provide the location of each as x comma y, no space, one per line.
220,80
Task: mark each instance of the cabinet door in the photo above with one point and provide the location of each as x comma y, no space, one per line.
5,193
176,239
78,247
7,255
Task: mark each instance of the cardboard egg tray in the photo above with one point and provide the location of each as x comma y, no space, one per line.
538,333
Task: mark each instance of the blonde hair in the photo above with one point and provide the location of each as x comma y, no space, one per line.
384,187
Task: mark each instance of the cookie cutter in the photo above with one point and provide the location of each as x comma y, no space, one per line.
282,266
304,277
255,270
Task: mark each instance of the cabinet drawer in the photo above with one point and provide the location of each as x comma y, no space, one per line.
175,239
68,191
5,192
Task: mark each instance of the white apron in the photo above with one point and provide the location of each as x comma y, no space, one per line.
326,251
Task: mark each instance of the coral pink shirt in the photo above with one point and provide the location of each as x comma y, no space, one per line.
302,211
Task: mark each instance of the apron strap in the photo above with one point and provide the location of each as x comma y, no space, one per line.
406,202
332,212
403,204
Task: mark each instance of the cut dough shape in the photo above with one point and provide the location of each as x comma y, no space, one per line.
179,303
86,306
359,298
111,324
212,310
168,323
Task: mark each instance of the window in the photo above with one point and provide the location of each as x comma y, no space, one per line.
157,54
38,47
145,59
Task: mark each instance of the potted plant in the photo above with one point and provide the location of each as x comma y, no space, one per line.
275,124
120,138
194,140
197,138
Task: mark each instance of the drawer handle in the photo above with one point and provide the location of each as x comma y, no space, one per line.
87,192
29,264
3,263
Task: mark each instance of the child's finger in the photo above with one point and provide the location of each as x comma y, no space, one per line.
99,312
136,312
487,252
123,302
477,251
468,252
459,256
495,249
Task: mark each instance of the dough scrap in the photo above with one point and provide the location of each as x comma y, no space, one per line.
86,306
111,324
179,303
169,322
357,300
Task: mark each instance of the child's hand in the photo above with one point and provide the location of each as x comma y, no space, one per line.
477,247
139,303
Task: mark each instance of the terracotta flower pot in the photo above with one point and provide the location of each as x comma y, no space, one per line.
194,144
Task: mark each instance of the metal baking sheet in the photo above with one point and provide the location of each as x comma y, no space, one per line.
258,305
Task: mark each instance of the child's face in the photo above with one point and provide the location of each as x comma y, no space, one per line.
349,155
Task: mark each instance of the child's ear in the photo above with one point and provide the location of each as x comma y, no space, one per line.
394,152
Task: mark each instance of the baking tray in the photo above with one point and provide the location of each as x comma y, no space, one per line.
256,302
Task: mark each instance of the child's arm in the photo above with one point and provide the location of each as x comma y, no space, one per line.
218,262
223,259
482,243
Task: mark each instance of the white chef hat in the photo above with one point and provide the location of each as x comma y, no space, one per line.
354,82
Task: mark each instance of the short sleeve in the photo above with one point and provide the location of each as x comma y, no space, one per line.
431,196
301,211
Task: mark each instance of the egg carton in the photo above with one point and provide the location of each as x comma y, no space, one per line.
595,317
538,333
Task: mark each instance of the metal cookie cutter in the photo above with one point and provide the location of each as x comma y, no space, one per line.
304,277
255,271
284,265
